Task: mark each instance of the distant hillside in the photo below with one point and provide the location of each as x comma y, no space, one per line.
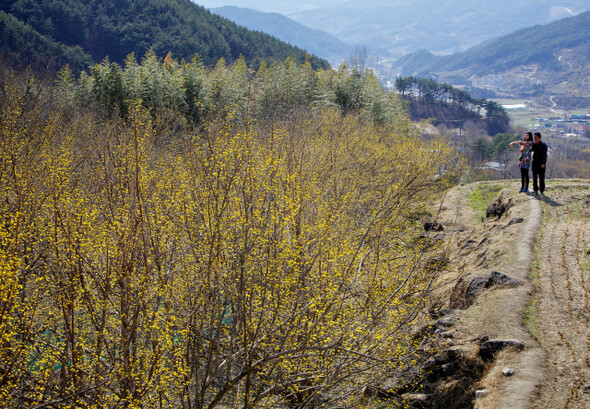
445,104
115,29
317,42
533,45
391,28
554,58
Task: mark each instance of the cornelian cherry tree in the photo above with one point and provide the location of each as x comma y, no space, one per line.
264,264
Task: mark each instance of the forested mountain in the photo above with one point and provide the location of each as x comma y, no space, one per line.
539,61
533,45
315,41
117,28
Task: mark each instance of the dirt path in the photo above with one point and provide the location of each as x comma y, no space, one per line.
544,242
552,109
521,389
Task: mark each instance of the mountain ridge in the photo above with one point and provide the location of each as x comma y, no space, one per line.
565,33
444,28
285,29
543,58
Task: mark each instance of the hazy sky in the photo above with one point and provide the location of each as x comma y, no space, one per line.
290,6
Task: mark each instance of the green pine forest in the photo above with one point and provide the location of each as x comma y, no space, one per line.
50,33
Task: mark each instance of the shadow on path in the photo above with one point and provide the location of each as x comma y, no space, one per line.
545,199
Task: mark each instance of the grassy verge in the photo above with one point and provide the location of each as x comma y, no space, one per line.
530,314
481,197
530,318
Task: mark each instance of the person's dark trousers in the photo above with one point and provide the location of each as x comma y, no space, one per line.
539,172
524,178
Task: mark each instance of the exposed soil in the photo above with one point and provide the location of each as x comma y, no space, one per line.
544,243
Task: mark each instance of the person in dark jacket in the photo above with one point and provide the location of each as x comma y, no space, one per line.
539,163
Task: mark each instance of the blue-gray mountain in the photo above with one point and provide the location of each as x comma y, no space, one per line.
392,28
439,26
317,42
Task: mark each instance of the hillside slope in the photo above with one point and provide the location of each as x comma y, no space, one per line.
116,29
533,45
543,243
23,46
315,41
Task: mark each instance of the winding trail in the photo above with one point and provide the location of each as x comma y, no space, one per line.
521,390
544,243
552,109
554,369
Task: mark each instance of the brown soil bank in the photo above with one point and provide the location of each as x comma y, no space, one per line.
518,289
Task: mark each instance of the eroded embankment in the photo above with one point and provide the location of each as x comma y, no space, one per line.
522,269
489,289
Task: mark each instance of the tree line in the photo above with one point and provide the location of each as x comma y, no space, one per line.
428,94
196,93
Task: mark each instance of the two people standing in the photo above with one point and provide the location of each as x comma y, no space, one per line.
531,144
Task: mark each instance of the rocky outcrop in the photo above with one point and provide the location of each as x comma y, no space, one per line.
516,220
446,379
498,279
499,207
488,349
465,293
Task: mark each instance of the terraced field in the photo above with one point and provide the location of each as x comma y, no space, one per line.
563,291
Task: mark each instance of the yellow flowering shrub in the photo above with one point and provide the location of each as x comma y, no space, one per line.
265,265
